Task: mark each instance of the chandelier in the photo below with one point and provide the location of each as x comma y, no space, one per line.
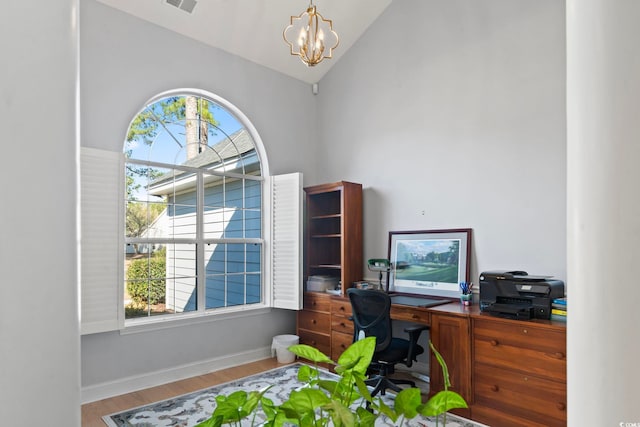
310,36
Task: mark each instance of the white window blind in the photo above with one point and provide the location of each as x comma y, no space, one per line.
286,241
101,184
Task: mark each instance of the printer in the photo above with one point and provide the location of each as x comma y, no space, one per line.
516,295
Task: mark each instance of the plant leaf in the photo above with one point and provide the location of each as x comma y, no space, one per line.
381,407
407,402
252,402
329,385
337,390
307,374
230,407
443,365
281,419
214,421
362,388
367,419
268,407
358,355
441,402
307,400
310,353
340,414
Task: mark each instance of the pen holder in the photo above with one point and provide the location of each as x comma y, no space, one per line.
466,299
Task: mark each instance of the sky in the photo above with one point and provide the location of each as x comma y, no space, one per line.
165,148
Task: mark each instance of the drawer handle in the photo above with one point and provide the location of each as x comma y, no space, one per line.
558,355
494,342
313,342
343,325
561,406
313,321
415,316
524,331
341,308
495,388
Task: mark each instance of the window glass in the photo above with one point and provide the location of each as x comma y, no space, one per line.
193,209
233,274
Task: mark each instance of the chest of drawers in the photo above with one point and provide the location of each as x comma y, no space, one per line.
519,373
314,321
324,323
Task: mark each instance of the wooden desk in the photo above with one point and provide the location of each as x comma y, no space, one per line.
510,372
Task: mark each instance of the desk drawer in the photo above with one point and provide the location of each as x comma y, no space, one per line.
521,347
524,396
315,321
317,301
498,418
410,314
341,307
342,325
319,341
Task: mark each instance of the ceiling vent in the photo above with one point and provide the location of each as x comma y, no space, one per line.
186,5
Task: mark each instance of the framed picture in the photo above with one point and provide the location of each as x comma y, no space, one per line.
429,262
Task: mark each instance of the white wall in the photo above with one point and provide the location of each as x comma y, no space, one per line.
452,114
39,320
124,62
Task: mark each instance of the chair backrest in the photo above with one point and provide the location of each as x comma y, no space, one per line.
371,311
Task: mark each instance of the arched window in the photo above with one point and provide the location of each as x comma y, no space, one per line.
194,238
199,226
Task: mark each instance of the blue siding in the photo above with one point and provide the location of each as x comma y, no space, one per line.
241,284
233,271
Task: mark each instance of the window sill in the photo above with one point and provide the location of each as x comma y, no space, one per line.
136,326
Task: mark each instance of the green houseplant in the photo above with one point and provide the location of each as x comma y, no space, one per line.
341,402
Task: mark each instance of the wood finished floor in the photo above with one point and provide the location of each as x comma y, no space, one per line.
92,412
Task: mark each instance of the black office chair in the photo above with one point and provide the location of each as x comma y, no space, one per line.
371,315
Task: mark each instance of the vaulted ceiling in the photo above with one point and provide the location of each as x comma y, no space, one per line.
252,29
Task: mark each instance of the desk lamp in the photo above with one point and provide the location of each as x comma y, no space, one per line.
380,265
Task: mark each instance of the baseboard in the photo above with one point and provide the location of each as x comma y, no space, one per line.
152,379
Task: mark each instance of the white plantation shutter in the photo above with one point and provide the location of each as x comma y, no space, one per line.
101,175
286,241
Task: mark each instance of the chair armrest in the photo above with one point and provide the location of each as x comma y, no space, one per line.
413,328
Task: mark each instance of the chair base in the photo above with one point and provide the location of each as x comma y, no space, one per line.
382,383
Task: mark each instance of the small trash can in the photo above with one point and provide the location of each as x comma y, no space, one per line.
279,347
